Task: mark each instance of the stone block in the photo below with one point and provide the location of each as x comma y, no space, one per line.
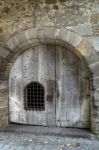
3,102
3,111
21,36
3,52
82,29
95,83
33,42
94,18
3,85
94,40
3,122
12,43
95,29
31,33
3,99
22,47
1,60
68,36
9,58
97,127
41,34
95,69
50,32
4,36
96,99
16,40
88,52
93,127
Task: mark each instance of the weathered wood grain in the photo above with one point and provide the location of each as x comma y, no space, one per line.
65,79
72,106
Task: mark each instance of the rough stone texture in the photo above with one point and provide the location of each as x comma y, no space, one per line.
25,141
79,16
20,14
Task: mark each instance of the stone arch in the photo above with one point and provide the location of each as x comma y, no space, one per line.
23,40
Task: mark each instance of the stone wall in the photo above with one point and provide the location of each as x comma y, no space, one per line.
79,16
76,15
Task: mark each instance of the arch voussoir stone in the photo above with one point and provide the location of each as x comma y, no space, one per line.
88,52
68,37
4,53
16,40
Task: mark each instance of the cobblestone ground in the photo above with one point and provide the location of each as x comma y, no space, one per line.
25,141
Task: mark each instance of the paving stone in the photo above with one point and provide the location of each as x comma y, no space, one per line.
21,141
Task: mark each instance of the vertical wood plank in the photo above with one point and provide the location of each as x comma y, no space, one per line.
50,105
15,93
72,90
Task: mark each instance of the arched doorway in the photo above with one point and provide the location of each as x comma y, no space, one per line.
65,79
33,36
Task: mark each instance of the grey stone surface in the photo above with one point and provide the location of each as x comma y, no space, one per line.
25,141
70,132
3,53
94,40
95,69
95,83
82,29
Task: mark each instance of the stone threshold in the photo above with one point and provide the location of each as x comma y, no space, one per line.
41,130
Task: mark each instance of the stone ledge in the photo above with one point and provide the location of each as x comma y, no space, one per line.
40,130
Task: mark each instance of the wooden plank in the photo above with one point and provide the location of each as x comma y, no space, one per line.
69,110
50,105
83,82
60,74
15,91
31,73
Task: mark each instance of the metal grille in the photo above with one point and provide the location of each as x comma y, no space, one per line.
34,97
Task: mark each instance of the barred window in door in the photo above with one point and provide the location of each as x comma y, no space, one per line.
34,97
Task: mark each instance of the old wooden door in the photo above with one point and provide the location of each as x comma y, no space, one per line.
66,88
72,100
34,65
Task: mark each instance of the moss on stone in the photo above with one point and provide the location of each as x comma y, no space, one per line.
6,9
63,0
1,30
55,7
50,1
